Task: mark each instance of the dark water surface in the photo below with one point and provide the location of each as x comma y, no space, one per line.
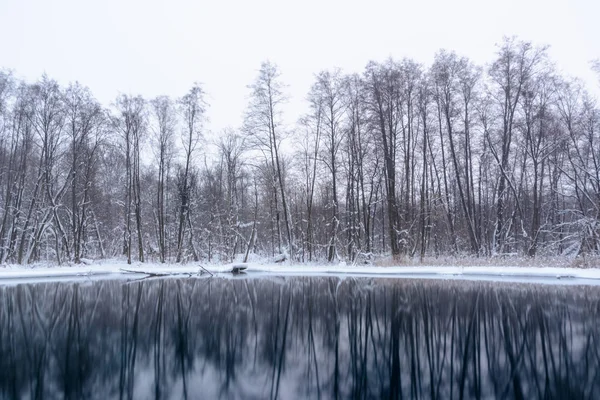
302,337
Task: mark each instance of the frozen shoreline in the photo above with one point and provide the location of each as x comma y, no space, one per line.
119,270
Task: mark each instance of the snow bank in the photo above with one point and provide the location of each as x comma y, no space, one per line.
559,275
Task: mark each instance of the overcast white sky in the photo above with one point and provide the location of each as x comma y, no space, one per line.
153,47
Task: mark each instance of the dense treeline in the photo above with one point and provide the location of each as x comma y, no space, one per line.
405,159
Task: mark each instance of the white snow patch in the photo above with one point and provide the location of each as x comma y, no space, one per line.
559,275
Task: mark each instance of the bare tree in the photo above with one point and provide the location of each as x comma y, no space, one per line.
48,123
515,65
231,148
85,126
538,129
385,102
327,95
310,142
581,120
131,123
165,123
455,80
263,125
192,108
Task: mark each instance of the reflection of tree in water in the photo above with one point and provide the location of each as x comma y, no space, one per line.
298,337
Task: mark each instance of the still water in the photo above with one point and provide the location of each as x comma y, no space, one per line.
301,337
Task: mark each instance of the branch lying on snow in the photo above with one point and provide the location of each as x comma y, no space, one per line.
235,269
201,267
155,273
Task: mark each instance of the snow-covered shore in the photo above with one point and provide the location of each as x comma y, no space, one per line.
108,270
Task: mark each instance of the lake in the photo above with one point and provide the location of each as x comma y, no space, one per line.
298,337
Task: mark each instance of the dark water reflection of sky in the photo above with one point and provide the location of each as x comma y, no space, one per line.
298,337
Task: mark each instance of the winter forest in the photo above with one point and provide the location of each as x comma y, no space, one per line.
403,159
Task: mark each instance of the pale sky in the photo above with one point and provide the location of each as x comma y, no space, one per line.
152,47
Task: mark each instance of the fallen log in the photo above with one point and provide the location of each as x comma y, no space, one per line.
155,273
235,269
